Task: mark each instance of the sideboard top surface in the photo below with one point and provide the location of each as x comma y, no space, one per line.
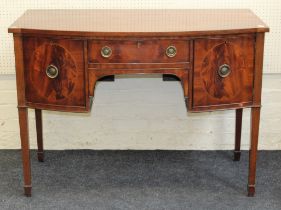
180,22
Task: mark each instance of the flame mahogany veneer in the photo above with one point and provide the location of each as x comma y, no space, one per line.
61,54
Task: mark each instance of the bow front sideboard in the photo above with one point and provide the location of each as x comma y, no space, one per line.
216,54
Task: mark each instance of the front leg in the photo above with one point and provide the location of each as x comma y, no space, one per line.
23,122
255,121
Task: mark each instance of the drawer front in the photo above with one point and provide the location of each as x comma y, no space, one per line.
139,51
223,72
54,71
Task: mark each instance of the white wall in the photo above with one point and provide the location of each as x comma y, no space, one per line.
141,113
268,10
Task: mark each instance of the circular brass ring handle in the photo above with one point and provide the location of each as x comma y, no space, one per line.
224,70
171,51
52,71
106,52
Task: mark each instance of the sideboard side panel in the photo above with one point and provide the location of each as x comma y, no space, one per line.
259,48
18,47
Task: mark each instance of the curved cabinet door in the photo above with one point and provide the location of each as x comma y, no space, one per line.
223,72
54,71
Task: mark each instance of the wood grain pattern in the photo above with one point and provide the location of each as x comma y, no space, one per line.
67,55
20,72
211,89
139,51
123,22
258,68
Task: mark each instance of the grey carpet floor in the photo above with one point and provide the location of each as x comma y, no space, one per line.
87,179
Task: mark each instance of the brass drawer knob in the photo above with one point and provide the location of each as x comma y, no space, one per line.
171,51
52,71
224,70
106,52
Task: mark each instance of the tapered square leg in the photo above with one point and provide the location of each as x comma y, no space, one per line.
39,130
238,128
23,122
255,121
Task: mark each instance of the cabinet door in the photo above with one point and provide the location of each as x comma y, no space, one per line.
44,58
223,72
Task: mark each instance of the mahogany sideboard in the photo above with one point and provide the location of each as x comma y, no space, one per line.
216,54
